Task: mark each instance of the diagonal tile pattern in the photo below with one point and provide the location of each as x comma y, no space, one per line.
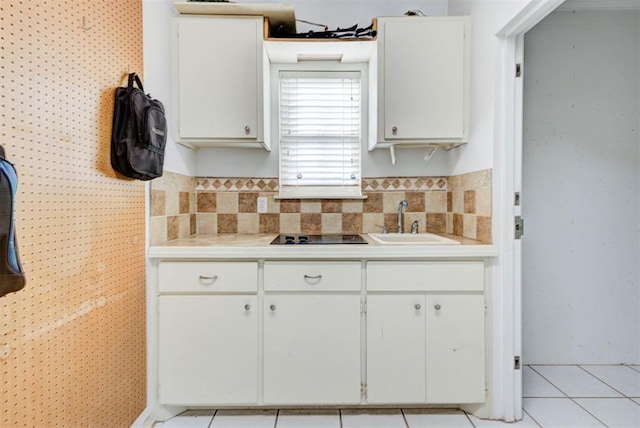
534,385
613,412
596,395
621,378
575,382
559,413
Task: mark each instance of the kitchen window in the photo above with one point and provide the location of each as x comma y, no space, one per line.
320,132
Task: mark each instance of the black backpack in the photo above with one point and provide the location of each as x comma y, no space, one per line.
12,277
139,133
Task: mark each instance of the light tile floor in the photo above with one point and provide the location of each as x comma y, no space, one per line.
567,396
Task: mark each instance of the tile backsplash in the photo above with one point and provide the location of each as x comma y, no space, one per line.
173,207
182,206
469,205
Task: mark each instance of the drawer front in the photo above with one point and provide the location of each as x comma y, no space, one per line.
425,276
208,277
312,276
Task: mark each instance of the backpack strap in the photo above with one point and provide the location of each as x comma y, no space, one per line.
132,77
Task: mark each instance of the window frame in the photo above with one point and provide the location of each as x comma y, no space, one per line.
329,191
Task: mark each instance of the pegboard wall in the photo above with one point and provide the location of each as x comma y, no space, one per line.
72,343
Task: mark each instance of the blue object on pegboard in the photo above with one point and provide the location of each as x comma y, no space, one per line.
12,276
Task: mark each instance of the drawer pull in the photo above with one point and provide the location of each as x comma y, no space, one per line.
437,306
272,307
318,277
209,278
247,307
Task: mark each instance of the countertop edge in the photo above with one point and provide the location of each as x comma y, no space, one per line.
323,252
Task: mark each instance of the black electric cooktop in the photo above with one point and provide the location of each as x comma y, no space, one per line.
300,239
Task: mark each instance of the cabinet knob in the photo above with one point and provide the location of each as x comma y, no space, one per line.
247,307
417,306
272,307
437,306
247,129
394,130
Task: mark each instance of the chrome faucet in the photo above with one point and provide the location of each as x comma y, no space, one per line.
414,227
402,204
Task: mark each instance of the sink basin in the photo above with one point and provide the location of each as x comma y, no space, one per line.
412,238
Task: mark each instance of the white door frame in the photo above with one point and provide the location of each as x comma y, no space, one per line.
507,285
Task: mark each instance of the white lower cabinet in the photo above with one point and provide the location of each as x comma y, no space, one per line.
396,349
208,349
455,348
293,333
312,341
425,347
207,333
311,349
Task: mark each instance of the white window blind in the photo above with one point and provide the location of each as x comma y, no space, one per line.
320,134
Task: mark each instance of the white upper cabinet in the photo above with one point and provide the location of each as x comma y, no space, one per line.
419,79
218,80
423,80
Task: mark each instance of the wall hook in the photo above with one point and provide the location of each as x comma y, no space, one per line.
84,24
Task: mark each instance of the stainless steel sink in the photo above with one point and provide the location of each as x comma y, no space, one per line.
411,239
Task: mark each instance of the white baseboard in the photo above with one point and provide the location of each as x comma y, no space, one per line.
145,420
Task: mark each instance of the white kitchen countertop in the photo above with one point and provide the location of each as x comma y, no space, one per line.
236,247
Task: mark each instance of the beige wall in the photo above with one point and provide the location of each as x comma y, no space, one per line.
72,343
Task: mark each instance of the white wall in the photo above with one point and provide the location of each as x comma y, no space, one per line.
156,25
487,18
581,193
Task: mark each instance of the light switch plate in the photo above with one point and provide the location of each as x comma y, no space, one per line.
262,204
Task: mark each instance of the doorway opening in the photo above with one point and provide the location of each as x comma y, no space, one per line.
509,175
580,188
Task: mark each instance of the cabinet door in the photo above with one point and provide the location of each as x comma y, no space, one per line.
424,78
455,349
208,349
219,77
395,349
312,349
